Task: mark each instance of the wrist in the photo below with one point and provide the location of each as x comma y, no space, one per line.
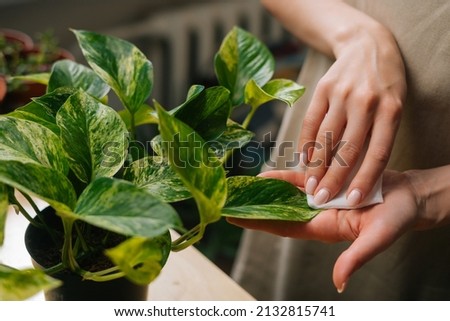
431,188
363,32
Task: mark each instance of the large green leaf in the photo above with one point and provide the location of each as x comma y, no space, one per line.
25,141
141,259
197,166
68,73
285,90
43,109
55,99
155,174
4,203
40,181
124,208
19,285
94,137
252,197
38,114
242,57
206,111
120,64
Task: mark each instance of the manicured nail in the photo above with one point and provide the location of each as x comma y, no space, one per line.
303,160
354,197
311,185
342,288
322,196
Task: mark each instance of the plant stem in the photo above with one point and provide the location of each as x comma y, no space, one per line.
100,277
32,203
189,238
249,116
68,258
80,239
28,216
133,125
54,269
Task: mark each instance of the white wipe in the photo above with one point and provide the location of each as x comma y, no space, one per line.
340,200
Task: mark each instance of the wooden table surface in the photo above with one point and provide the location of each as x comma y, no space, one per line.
187,276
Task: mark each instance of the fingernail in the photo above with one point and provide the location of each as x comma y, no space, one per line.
303,160
342,288
322,196
311,185
354,197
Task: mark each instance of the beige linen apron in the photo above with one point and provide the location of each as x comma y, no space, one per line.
416,267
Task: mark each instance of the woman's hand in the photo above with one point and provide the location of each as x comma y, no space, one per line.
357,102
356,105
412,200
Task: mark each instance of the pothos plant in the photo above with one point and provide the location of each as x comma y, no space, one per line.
71,150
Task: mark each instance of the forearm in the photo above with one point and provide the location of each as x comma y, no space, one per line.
326,25
432,190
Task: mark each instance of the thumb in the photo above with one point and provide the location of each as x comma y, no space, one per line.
362,250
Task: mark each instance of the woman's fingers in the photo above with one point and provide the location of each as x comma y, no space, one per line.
377,155
311,124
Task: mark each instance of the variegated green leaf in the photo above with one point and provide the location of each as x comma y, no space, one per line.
121,207
94,137
40,181
42,110
206,111
285,90
141,259
136,150
25,141
242,57
120,64
18,285
37,113
155,175
197,166
252,197
4,203
68,73
144,115
55,99
156,144
193,91
234,137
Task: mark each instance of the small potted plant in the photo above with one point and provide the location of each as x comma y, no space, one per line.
21,59
111,198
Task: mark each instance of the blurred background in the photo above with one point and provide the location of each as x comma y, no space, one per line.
180,38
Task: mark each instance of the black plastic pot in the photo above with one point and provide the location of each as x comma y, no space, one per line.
74,288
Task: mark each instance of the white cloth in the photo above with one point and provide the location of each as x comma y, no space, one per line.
340,200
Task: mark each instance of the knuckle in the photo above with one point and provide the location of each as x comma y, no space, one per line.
342,90
325,84
368,99
393,107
